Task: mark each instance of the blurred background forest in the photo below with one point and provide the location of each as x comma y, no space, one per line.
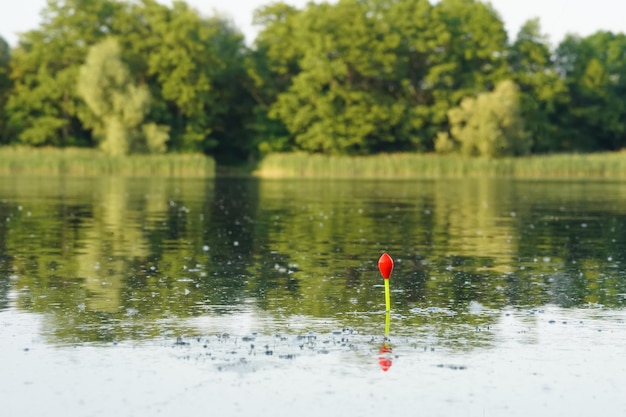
357,77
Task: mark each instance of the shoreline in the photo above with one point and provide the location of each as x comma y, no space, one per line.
90,162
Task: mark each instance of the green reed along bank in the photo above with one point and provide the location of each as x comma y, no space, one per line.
79,161
408,165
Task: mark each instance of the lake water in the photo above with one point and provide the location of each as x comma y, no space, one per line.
142,297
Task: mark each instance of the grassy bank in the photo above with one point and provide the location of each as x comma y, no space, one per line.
77,161
598,165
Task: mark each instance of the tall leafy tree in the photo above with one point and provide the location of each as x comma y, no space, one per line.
380,75
488,125
542,88
178,61
472,57
43,105
419,72
270,66
117,104
191,65
5,86
448,51
329,107
232,103
594,69
189,62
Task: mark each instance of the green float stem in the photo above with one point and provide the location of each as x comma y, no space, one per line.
387,320
387,296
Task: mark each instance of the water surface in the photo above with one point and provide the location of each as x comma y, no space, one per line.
130,296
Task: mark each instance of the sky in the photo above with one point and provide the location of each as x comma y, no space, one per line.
557,17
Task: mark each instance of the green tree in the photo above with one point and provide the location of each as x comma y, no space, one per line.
594,68
488,125
329,106
270,66
232,103
471,56
379,75
117,105
43,105
542,89
5,87
448,51
192,66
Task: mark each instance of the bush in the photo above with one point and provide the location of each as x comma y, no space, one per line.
488,125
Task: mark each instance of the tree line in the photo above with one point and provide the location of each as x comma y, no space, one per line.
350,78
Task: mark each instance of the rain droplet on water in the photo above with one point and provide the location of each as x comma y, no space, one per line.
475,307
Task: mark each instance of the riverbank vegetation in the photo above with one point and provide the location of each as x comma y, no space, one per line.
92,162
351,78
88,162
405,165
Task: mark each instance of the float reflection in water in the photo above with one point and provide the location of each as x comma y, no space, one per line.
385,354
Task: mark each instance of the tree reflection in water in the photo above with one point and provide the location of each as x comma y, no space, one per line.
106,259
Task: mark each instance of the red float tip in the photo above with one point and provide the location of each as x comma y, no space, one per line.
385,265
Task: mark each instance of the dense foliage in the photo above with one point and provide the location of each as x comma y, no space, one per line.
355,77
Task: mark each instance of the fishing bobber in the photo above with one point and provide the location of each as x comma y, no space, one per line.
385,265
